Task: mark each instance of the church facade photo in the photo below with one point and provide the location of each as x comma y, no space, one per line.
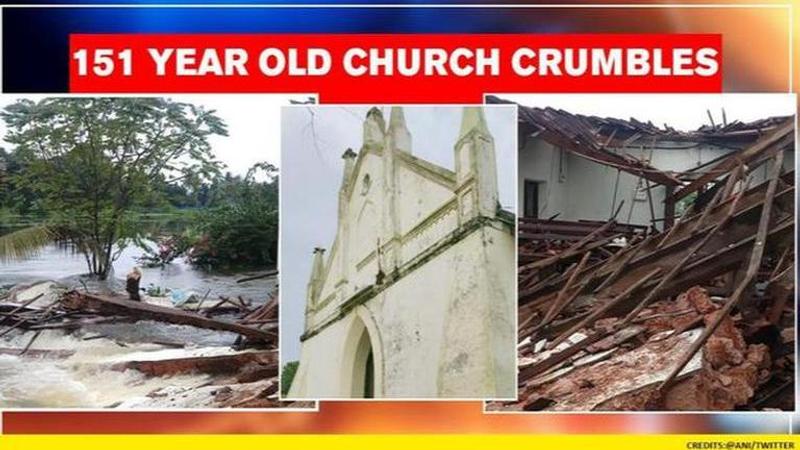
416,295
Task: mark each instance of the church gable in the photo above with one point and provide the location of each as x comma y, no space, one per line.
420,256
358,228
422,194
394,207
364,209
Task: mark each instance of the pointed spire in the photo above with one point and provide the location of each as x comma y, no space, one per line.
475,164
316,268
473,119
314,284
374,127
398,134
397,119
349,157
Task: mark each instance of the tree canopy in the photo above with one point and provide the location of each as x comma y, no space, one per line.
91,161
241,225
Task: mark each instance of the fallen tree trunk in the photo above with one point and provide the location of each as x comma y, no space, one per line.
267,274
139,310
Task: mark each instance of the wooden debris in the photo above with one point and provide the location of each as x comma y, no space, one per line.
248,370
214,365
584,285
123,307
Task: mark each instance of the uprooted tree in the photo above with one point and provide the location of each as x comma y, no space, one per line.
93,161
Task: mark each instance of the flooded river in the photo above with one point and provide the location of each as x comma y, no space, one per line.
62,264
79,375
80,380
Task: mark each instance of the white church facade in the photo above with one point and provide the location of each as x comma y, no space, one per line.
416,297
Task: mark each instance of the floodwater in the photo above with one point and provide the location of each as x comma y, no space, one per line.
62,264
83,379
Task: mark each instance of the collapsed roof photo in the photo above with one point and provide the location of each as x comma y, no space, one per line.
686,304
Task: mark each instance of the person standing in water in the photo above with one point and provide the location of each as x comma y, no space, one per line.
132,284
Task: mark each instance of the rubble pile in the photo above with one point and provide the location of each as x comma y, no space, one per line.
699,316
244,374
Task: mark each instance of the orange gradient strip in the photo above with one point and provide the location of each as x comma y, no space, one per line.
352,417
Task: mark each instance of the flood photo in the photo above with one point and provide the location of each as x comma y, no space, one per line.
138,250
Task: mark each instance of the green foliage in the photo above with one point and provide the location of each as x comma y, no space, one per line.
90,162
240,228
14,198
25,243
287,376
106,173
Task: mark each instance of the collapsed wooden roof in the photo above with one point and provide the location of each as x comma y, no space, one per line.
579,135
778,138
589,306
604,139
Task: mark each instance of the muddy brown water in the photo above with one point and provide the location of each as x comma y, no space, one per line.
83,379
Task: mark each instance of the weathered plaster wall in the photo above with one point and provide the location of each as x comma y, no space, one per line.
539,161
422,195
437,335
581,189
325,368
576,188
423,262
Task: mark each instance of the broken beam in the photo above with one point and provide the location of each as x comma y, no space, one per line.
139,310
777,137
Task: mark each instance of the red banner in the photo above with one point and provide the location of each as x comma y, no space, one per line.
411,68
